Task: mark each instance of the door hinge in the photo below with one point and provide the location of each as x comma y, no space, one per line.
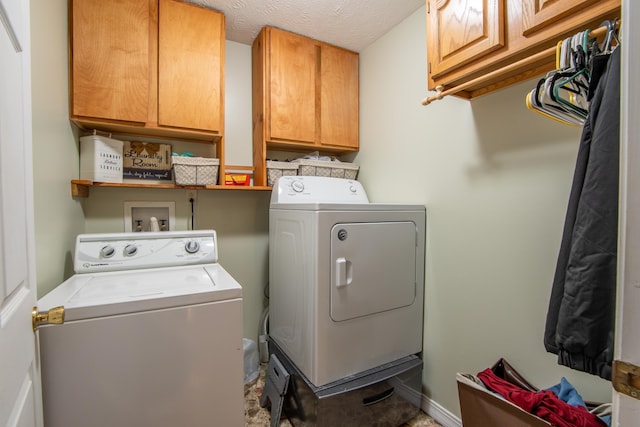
625,378
54,316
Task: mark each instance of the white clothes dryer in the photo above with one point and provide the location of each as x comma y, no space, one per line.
346,277
152,335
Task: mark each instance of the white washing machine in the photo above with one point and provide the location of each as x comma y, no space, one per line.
346,277
152,335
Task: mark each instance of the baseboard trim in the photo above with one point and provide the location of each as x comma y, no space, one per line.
439,413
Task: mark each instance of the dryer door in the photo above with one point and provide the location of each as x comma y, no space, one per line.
373,268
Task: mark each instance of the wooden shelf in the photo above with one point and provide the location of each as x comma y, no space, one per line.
80,188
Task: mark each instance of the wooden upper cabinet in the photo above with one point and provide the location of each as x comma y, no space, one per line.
537,14
292,87
147,67
190,63
339,98
111,62
477,46
307,91
462,30
305,97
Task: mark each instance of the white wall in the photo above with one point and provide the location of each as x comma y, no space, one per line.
495,179
58,218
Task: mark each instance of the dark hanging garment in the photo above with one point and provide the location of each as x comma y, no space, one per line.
580,320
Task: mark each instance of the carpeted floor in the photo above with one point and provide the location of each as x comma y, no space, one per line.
260,417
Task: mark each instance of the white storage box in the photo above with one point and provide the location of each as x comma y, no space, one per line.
277,169
100,159
195,170
326,168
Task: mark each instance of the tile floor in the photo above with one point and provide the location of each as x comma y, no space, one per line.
255,416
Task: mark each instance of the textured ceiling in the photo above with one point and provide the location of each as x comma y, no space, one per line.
352,24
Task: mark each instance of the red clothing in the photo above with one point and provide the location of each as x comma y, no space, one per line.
544,403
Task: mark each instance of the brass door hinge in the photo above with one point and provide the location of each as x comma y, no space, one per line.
53,316
626,378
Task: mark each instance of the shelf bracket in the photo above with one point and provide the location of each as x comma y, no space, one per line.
80,189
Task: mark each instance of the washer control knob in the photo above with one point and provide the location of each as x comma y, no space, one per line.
107,251
192,246
297,186
130,250
353,188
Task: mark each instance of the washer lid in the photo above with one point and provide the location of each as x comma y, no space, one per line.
86,296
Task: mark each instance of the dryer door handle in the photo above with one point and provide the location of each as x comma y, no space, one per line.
344,274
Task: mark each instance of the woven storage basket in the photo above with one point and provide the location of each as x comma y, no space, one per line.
195,170
325,168
277,169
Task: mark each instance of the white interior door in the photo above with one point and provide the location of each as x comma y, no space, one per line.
20,403
626,410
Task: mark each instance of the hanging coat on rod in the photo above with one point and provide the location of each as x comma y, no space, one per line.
580,321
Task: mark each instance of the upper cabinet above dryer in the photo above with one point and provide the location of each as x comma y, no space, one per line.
305,96
147,67
484,45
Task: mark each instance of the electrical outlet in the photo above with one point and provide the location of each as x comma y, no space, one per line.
192,194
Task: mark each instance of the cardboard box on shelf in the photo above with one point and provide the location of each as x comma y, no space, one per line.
237,179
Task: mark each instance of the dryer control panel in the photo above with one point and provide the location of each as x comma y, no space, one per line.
317,189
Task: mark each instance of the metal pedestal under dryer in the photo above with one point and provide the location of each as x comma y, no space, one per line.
386,396
346,281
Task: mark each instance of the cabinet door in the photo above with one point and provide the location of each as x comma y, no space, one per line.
460,31
339,97
292,103
110,59
190,55
537,14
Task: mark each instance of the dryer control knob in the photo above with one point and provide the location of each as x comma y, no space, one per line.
130,250
107,251
297,186
192,246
